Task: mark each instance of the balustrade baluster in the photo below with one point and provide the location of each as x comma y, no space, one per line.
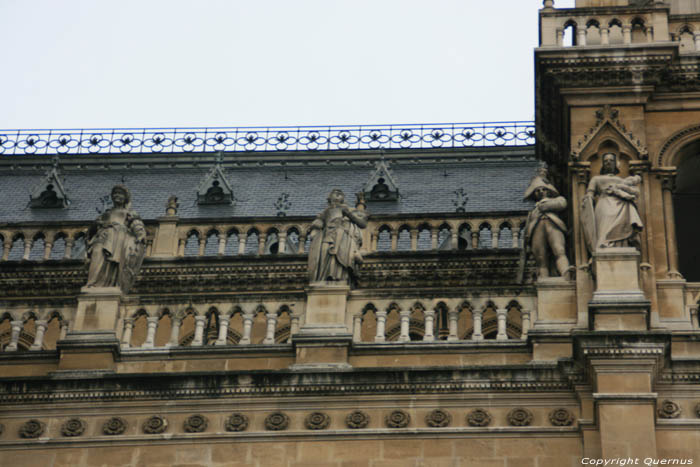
247,328
501,315
381,326
222,338
429,334
405,316
199,322
126,336
16,327
152,325
477,315
271,318
41,326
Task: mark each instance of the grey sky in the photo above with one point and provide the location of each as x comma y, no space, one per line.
126,63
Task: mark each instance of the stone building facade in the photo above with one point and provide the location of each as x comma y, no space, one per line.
442,341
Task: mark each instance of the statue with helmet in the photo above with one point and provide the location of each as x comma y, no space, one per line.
545,232
116,244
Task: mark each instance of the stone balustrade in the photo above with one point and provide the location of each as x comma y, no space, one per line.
195,238
34,330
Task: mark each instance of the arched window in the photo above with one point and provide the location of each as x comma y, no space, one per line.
686,199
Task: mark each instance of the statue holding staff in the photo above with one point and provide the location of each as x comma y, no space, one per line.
336,239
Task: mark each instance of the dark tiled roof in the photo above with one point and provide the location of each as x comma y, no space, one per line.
491,184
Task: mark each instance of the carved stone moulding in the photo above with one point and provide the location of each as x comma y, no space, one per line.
73,427
519,417
397,419
317,421
155,425
2,429
32,429
236,422
561,417
114,426
196,424
478,417
276,421
359,419
669,409
438,418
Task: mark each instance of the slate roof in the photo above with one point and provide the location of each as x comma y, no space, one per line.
493,183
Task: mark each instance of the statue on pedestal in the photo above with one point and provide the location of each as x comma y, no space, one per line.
613,221
336,239
544,229
116,244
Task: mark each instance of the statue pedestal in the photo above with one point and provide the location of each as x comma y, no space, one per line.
92,343
618,302
556,304
324,339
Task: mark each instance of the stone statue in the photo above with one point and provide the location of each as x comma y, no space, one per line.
614,220
116,244
544,229
336,239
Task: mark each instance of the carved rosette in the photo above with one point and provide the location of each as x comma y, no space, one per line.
398,419
196,424
236,422
114,426
73,427
561,417
519,417
32,429
317,421
359,419
155,425
438,419
276,421
669,409
478,417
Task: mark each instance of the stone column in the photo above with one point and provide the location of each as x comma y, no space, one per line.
526,323
302,243
65,325
261,243
222,245
494,237
199,323
241,243
27,248
581,35
247,328
381,326
41,326
405,316
271,318
293,326
454,239
69,248
650,34
175,324
357,328
414,239
477,315
452,317
202,245
181,247
282,246
626,34
152,325
434,238
667,186
222,338
126,335
16,327
475,239
516,235
6,247
47,249
429,334
560,37
604,36
394,240
501,316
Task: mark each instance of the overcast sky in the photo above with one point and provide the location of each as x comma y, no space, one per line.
153,63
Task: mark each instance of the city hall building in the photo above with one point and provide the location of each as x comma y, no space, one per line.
503,294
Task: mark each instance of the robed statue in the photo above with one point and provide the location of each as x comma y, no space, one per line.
336,238
609,213
116,244
544,233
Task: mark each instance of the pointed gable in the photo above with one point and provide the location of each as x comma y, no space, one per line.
50,193
381,185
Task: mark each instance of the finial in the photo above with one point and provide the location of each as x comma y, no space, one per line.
171,206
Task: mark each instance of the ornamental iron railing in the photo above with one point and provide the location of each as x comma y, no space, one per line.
280,138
